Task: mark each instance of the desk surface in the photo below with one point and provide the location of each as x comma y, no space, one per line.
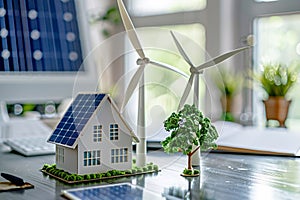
223,176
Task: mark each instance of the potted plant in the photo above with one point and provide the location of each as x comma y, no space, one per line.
189,128
229,86
277,80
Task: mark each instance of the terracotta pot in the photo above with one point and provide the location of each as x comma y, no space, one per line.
226,102
277,108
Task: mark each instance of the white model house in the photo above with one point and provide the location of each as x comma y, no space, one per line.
93,137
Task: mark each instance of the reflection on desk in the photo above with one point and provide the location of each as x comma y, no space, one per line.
223,176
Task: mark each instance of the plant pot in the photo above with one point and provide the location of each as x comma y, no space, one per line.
277,108
226,102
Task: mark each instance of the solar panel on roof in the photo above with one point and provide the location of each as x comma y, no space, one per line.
75,118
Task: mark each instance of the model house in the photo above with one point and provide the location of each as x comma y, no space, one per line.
92,137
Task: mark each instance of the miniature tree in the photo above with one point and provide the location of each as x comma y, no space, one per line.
189,128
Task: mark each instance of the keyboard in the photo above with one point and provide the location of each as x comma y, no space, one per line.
31,146
29,137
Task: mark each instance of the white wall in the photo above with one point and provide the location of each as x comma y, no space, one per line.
104,116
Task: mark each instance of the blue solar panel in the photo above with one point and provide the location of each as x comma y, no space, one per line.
75,118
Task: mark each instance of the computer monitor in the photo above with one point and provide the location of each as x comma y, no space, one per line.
43,51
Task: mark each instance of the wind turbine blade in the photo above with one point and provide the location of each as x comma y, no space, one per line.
133,37
220,58
132,85
181,51
169,67
186,92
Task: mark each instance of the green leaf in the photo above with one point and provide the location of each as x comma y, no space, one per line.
277,79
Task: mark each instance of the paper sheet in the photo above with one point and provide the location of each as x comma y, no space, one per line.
277,141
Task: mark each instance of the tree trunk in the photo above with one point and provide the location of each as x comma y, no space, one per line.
190,157
190,161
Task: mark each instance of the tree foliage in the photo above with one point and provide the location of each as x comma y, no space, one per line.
189,127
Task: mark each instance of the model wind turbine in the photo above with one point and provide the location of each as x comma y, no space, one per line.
196,71
138,78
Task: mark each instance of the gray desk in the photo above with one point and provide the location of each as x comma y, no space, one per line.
223,176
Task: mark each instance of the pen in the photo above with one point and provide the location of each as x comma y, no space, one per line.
13,179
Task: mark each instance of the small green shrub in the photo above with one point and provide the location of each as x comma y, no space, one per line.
92,176
79,178
113,172
66,177
63,175
122,173
59,174
46,166
187,171
150,167
86,177
70,178
48,169
51,170
155,167
145,169
139,170
98,175
56,172
75,177
191,171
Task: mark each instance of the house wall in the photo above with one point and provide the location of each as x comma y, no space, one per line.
70,160
105,116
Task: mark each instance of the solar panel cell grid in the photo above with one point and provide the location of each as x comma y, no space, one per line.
75,118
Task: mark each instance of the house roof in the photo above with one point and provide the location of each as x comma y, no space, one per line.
81,110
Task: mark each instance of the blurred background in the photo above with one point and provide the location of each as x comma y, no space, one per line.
230,91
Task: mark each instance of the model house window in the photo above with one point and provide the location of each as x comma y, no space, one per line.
60,155
91,158
114,132
119,155
97,133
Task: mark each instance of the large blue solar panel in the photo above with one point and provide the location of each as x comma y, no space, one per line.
39,35
75,118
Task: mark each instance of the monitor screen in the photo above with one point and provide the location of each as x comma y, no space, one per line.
42,50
